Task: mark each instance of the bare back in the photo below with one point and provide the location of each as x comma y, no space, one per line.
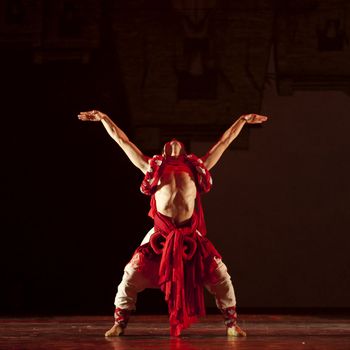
176,194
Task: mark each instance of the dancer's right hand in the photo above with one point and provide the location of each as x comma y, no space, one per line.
254,118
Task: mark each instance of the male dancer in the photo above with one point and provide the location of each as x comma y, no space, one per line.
175,255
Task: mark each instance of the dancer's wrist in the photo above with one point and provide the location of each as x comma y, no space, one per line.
103,117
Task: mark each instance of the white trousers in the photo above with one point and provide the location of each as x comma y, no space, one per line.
135,281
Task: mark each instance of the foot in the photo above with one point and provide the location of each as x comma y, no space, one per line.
236,331
115,331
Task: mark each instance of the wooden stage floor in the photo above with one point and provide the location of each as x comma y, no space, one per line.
271,332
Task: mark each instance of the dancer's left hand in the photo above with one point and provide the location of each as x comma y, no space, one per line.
92,116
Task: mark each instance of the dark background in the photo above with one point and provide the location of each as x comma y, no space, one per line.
72,213
70,202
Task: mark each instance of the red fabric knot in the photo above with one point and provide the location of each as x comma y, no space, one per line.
188,245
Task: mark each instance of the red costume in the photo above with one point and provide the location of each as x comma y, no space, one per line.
186,255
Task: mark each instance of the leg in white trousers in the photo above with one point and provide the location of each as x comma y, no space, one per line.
134,282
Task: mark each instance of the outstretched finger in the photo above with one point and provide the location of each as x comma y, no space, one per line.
261,118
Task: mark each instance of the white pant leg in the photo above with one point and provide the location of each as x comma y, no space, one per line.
133,282
223,288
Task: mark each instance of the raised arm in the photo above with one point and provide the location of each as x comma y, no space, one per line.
133,153
215,153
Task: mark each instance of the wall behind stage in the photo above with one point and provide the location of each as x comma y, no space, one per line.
72,213
279,211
